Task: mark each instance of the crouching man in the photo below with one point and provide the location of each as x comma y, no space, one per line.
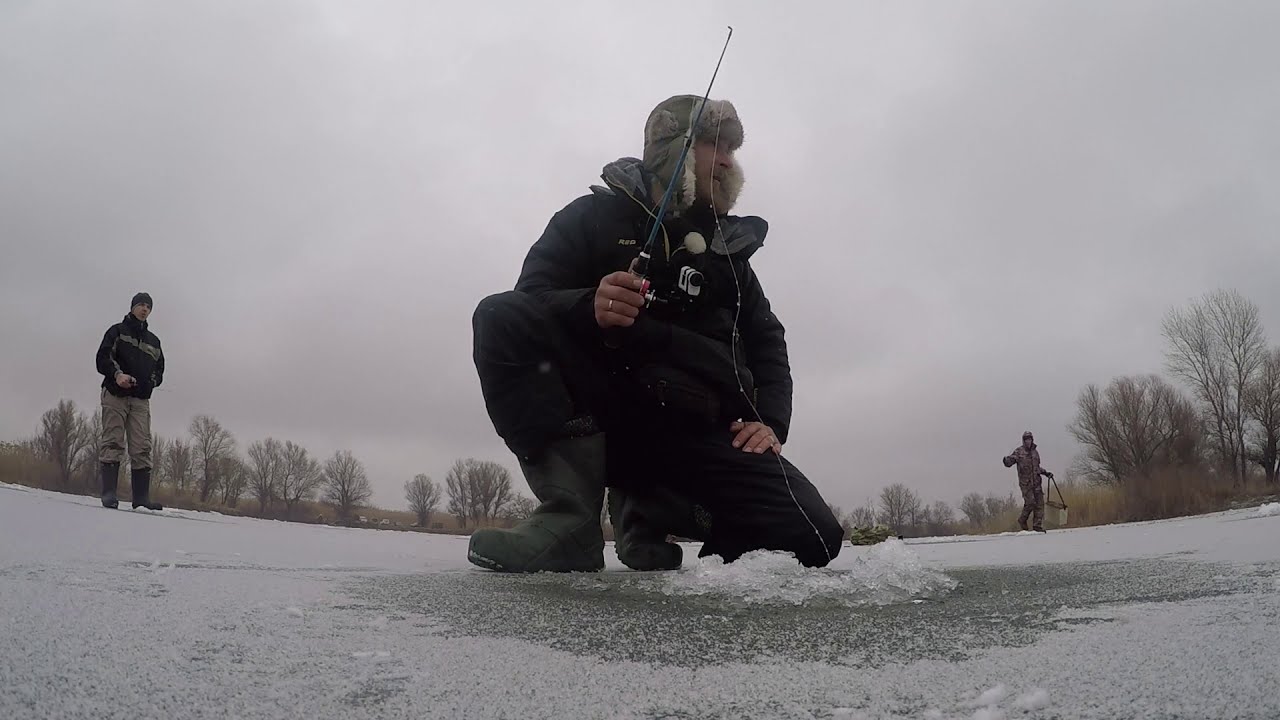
681,405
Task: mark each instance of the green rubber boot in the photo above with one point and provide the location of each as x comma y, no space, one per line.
563,534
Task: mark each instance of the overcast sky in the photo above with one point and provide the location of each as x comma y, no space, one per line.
975,208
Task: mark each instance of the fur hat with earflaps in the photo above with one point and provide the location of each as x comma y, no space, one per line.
664,137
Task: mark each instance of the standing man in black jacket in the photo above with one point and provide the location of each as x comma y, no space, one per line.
132,365
692,389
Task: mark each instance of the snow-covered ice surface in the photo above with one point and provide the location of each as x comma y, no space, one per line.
178,614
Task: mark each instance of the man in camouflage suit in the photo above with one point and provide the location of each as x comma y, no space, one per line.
1027,458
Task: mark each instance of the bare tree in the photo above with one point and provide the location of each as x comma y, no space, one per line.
520,508
1217,346
923,523
491,485
179,463
864,516
1132,428
211,442
943,517
160,460
458,489
423,496
974,509
997,505
89,467
62,438
300,476
346,485
1078,469
233,477
916,513
1264,409
477,490
897,505
264,469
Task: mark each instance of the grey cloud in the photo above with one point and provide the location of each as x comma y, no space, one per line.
975,208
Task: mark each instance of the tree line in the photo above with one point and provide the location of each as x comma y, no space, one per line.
1152,446
277,476
1224,426
902,510
1158,442
206,464
476,493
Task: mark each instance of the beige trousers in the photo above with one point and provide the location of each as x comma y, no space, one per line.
126,418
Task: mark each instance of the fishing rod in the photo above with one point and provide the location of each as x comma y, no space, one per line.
642,266
693,281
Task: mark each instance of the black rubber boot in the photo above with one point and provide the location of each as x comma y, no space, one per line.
642,521
110,475
141,483
563,534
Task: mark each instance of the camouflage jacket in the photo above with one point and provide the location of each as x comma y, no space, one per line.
1028,462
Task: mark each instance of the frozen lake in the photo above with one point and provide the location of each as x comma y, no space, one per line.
188,615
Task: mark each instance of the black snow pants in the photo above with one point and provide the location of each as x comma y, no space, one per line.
537,381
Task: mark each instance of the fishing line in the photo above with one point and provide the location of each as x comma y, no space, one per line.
734,346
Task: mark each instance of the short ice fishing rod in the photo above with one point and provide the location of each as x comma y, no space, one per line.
641,268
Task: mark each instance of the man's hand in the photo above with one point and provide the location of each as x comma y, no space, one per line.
618,300
754,437
1048,474
125,381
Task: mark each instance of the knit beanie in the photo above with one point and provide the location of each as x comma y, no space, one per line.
143,298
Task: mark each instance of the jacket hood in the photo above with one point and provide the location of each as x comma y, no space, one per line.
735,235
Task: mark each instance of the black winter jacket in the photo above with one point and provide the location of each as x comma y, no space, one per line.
129,347
602,232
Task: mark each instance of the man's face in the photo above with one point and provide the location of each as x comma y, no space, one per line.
1026,443
141,311
711,164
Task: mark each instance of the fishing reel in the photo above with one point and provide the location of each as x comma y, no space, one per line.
675,287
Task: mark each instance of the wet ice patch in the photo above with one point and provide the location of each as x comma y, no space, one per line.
884,574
